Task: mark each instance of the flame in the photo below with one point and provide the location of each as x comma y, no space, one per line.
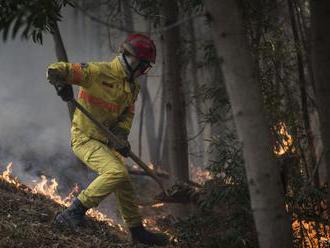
48,188
6,175
310,238
104,218
199,175
286,140
158,205
75,190
138,168
151,224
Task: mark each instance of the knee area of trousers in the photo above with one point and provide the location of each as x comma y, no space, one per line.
121,174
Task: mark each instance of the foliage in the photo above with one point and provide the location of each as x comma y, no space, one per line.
32,17
275,55
148,9
222,230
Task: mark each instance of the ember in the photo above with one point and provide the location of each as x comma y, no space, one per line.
199,174
158,205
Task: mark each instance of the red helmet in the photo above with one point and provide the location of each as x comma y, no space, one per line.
140,46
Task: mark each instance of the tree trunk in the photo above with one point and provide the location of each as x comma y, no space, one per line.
147,117
194,115
162,151
320,18
303,93
127,17
61,56
147,114
267,200
175,103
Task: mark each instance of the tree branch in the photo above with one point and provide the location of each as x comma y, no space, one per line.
121,28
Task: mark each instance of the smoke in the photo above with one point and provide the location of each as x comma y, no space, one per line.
34,122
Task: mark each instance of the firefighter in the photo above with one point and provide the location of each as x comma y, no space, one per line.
108,91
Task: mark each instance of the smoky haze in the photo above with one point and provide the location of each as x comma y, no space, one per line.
34,122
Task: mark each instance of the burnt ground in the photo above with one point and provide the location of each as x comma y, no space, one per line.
26,221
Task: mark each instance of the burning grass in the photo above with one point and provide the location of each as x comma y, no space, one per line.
26,216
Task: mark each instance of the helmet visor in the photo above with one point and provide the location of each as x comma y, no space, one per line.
145,67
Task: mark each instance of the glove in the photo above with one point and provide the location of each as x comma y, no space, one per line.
124,150
55,76
65,91
123,136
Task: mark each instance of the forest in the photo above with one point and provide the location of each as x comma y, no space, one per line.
229,140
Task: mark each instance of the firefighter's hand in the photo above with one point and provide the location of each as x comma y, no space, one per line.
65,91
123,136
124,150
55,76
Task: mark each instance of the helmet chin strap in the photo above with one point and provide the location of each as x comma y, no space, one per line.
130,69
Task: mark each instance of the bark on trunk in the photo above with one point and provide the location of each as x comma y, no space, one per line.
175,103
267,201
320,18
303,93
194,116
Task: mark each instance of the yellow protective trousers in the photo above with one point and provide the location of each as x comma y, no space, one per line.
113,177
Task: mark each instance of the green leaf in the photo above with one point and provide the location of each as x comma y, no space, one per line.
18,24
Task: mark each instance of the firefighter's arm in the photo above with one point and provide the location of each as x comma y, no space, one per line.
124,124
69,73
122,130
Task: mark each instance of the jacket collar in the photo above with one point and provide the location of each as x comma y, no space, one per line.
122,73
124,70
119,68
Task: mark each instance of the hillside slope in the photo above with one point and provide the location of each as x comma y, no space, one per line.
26,217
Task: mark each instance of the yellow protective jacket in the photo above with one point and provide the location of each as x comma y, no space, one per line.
104,92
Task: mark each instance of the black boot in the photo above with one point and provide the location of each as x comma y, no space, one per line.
72,217
141,235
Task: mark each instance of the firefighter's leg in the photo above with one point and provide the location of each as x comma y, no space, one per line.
125,197
113,177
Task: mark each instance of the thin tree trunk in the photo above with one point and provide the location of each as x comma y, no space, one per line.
147,114
267,200
175,102
141,120
194,109
61,56
302,84
320,19
304,30
147,118
127,15
162,150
